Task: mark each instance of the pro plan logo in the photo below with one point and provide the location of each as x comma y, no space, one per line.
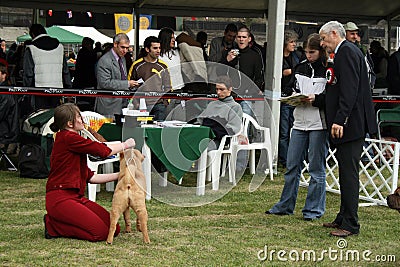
330,76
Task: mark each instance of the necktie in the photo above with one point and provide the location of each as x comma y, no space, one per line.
122,69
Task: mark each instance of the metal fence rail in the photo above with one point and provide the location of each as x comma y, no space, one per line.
379,170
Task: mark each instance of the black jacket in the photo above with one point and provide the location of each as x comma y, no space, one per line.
9,127
348,95
250,63
287,82
393,73
85,69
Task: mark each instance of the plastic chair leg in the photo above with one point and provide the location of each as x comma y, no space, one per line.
92,188
225,161
252,161
110,187
215,172
208,174
232,167
270,165
163,180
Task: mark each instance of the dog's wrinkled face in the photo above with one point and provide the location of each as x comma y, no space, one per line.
131,154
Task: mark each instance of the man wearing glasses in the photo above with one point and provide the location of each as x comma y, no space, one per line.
112,75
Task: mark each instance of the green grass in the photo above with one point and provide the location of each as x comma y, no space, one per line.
227,232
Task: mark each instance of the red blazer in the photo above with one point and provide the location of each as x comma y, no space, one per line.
68,163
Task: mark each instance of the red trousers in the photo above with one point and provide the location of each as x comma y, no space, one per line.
74,216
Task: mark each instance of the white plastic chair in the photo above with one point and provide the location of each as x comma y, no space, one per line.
214,161
107,165
264,143
94,166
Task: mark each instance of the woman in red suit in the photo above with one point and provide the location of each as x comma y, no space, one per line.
69,212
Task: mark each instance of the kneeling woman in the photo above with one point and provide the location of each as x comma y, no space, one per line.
69,213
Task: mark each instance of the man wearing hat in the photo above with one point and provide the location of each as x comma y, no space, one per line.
352,32
353,35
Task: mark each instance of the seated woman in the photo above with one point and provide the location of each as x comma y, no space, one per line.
69,213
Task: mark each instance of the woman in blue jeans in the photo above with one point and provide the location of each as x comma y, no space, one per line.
309,136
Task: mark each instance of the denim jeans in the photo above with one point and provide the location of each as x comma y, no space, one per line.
247,107
316,144
285,125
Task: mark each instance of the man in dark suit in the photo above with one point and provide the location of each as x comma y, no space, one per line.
350,115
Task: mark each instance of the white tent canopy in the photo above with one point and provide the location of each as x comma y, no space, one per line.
143,34
88,32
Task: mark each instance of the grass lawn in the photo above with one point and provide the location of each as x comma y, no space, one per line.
232,231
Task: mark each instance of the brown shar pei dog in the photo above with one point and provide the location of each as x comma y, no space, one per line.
393,200
130,192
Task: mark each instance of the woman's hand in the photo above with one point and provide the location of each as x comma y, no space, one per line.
129,143
117,147
310,99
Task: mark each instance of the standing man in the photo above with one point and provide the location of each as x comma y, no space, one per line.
85,71
350,115
112,75
155,74
86,60
219,46
248,62
3,53
44,66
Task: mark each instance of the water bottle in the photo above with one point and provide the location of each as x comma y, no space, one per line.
130,104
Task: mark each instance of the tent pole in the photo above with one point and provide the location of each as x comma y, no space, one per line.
136,13
273,73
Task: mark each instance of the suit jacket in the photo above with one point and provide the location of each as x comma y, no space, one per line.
109,78
348,95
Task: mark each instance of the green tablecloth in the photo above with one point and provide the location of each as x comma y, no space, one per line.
111,132
176,147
